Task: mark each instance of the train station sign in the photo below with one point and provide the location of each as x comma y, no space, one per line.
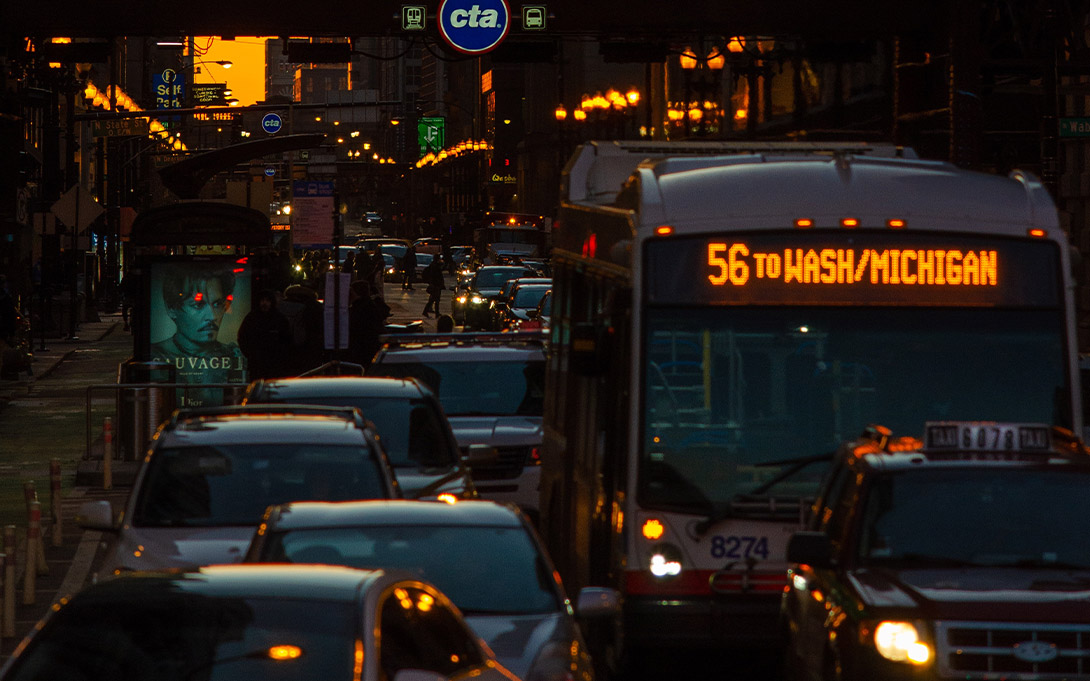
474,26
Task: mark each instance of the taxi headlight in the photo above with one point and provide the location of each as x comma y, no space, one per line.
665,561
900,642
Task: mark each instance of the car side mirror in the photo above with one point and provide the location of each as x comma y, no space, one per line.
96,515
597,601
811,548
480,455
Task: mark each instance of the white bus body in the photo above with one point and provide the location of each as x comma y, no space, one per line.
732,313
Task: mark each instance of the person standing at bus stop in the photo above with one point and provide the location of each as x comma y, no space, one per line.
265,338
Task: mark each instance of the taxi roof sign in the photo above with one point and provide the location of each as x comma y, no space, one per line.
986,436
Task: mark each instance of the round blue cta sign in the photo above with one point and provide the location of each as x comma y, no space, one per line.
474,26
272,123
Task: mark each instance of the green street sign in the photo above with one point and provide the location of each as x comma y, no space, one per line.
430,134
1075,127
122,127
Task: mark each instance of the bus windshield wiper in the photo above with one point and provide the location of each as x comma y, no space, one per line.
794,466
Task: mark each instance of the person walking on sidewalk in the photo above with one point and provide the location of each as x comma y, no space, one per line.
265,339
408,268
433,277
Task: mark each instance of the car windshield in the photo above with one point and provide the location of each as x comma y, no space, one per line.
188,636
496,278
1003,516
396,250
411,431
517,578
739,399
478,387
225,485
529,296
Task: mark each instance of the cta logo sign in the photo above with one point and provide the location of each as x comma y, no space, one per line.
474,26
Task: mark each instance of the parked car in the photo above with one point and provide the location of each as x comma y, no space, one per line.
411,425
210,473
515,604
492,388
282,622
470,306
961,555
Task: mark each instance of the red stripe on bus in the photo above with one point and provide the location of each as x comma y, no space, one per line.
698,582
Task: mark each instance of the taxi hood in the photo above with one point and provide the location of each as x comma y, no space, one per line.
979,593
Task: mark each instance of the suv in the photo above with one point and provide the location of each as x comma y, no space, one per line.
492,388
470,306
211,473
412,426
961,556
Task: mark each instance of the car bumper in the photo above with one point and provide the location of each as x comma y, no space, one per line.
702,622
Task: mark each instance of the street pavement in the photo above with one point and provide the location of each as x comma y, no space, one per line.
45,416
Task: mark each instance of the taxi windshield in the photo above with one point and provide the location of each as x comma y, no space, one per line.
753,400
1010,516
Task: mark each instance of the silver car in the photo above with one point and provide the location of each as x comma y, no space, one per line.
211,473
485,556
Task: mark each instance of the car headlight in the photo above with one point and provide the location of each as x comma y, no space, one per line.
556,661
461,300
476,300
900,642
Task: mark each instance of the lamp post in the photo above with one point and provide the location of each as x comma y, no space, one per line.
701,76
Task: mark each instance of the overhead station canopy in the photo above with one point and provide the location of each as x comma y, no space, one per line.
201,224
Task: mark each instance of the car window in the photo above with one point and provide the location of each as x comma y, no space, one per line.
517,580
496,278
233,484
187,637
416,632
411,431
529,296
495,388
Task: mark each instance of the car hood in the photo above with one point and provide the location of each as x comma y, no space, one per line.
973,593
143,548
516,639
498,431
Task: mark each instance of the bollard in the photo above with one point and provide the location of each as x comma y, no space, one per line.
107,453
56,535
7,621
33,536
31,496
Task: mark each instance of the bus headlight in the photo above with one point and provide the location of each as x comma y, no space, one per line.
900,642
665,561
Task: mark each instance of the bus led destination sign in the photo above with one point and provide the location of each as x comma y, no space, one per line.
737,264
789,268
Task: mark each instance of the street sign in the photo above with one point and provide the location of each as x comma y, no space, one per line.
431,134
169,89
312,213
474,26
77,208
413,17
272,123
1075,127
122,127
270,171
208,94
533,17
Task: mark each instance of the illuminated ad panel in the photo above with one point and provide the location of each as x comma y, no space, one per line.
814,268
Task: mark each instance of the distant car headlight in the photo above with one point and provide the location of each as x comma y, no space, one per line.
461,300
900,642
476,300
554,662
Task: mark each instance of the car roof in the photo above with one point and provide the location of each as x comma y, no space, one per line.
263,428
342,386
465,346
316,582
391,513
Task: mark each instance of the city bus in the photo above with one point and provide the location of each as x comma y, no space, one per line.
724,315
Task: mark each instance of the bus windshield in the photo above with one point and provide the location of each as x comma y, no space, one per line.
753,400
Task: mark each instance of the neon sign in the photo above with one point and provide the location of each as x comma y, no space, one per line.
736,264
